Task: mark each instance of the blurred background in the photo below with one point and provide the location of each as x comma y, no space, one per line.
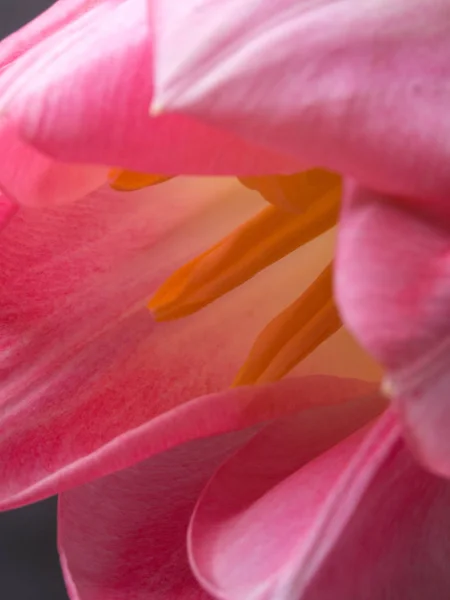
29,567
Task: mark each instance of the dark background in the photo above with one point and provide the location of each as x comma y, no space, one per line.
15,13
29,568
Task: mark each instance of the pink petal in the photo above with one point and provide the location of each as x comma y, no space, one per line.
74,281
84,368
7,210
26,175
124,535
272,513
392,283
357,87
360,520
96,110
396,544
29,177
118,545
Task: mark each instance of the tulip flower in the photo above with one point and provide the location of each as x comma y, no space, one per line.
359,88
292,513
173,361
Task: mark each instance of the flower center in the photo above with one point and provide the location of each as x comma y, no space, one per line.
303,206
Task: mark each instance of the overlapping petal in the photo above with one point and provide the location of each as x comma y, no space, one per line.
124,536
392,283
75,328
358,87
289,516
83,365
29,177
96,110
93,388
266,538
396,542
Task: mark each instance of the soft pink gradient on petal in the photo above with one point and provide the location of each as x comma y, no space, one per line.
29,177
358,87
85,370
96,110
77,344
123,537
272,513
396,544
392,284
60,451
26,175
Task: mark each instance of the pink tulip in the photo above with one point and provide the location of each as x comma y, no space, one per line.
104,118
285,515
92,386
360,88
172,484
356,87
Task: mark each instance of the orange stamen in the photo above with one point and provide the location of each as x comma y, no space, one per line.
261,241
123,180
293,334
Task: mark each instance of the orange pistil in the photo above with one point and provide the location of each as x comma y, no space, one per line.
129,181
